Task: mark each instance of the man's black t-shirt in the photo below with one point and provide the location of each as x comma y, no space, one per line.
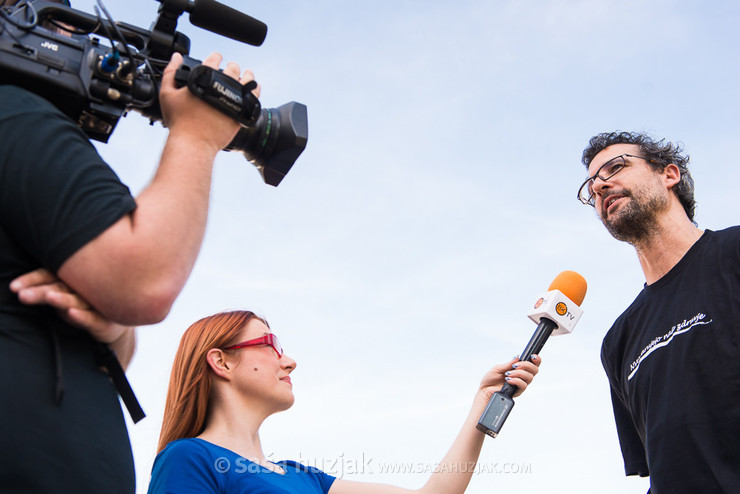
56,194
673,362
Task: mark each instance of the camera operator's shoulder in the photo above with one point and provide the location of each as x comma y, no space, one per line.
15,99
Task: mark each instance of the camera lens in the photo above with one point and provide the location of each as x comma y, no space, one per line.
275,141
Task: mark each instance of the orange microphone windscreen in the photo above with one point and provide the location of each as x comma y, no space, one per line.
571,284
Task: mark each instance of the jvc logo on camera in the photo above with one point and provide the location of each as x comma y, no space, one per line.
50,46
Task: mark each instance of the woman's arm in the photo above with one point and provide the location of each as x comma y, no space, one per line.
454,472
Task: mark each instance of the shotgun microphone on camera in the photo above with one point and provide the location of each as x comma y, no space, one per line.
222,19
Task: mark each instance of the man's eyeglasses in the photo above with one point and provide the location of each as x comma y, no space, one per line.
605,172
268,339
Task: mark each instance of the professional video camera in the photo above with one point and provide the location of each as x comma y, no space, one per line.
95,84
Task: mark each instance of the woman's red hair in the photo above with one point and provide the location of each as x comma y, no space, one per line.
186,408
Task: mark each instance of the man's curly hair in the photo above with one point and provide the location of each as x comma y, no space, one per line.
658,153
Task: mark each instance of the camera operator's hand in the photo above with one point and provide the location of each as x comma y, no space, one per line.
186,115
41,287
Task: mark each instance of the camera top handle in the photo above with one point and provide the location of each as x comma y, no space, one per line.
163,40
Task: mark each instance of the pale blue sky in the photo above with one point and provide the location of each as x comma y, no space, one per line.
436,199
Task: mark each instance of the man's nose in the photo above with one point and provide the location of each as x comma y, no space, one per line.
599,185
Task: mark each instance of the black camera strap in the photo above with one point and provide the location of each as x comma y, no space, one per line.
222,92
107,358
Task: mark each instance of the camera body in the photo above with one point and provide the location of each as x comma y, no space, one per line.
95,84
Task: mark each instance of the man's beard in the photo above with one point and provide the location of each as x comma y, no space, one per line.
636,221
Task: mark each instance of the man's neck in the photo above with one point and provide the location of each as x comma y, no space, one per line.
673,238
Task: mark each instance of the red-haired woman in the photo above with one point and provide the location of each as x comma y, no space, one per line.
229,375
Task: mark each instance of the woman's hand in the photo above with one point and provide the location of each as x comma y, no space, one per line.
514,372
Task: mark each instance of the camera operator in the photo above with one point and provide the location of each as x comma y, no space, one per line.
62,208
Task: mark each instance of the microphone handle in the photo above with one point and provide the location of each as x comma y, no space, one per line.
538,340
501,403
540,336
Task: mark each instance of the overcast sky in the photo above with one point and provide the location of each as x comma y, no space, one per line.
434,203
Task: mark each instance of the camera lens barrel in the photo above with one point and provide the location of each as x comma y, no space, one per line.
275,141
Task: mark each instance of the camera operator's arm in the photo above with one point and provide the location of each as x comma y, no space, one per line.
135,269
40,287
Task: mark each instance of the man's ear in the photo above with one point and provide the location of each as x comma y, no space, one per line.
218,363
671,175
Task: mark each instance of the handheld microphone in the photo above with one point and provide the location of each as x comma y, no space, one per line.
556,312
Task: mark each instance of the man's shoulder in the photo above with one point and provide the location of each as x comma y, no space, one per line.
724,244
732,232
15,99
26,116
8,91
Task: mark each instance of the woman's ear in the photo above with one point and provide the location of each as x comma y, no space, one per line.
218,363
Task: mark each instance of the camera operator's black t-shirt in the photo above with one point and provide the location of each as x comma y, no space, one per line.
56,194
673,362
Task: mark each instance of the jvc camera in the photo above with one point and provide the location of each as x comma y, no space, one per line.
95,83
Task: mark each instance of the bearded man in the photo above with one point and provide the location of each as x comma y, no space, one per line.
673,357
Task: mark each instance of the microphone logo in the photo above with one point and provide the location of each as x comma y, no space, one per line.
538,303
561,308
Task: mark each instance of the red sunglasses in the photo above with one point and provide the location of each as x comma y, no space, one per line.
268,339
